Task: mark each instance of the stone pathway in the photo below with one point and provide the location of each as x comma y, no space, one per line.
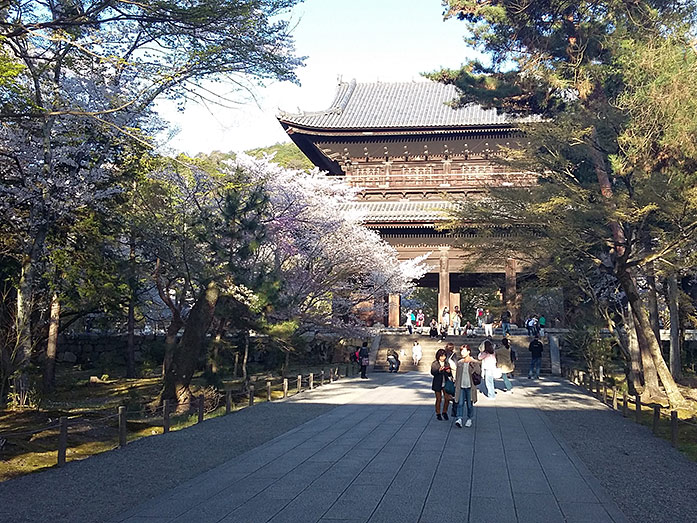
383,457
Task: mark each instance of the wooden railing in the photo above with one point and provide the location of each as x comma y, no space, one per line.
376,178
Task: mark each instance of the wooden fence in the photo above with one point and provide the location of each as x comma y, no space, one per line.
629,405
283,386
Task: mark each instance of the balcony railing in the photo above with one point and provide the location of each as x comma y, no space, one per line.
434,176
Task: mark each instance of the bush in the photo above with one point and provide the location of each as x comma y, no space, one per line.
588,345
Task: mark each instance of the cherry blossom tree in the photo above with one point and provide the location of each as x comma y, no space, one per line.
84,76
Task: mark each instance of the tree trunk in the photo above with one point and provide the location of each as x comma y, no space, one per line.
674,308
52,344
636,374
171,342
652,300
245,357
647,339
130,346
189,350
650,388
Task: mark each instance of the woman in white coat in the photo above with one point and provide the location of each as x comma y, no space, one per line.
465,388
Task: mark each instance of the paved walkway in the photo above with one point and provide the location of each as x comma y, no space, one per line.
383,457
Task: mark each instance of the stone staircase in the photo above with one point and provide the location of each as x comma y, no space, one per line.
398,339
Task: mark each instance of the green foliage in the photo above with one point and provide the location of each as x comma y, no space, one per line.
590,346
285,154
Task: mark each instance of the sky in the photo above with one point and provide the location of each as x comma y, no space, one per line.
369,40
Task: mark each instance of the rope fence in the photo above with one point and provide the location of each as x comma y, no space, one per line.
599,388
258,390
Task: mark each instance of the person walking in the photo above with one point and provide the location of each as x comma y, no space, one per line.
409,324
488,323
542,322
465,387
442,383
364,360
535,349
488,359
506,321
416,353
505,362
529,324
480,317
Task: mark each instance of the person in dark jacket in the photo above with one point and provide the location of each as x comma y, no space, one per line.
535,349
364,360
393,359
441,371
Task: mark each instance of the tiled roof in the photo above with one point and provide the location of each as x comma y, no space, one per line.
406,211
397,105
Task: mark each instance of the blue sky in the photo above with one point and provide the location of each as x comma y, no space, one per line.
369,40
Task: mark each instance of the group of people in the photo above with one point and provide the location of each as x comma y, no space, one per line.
456,377
535,325
486,319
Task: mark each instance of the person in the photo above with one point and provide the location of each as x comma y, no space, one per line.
364,360
445,322
416,353
529,324
420,318
504,361
433,329
451,360
409,324
488,323
465,389
457,321
535,349
393,359
542,322
506,321
441,374
488,359
480,317
535,325
469,329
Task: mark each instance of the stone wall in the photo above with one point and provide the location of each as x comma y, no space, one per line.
107,349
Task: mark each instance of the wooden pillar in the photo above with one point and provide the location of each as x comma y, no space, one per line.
443,282
393,310
511,293
454,301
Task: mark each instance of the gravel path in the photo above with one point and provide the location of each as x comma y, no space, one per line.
646,477
100,487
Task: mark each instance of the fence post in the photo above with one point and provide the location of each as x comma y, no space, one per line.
228,401
122,427
321,378
331,375
200,408
601,374
656,417
300,382
625,402
165,416
674,427
268,390
62,440
251,395
285,387
311,380
614,398
605,393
